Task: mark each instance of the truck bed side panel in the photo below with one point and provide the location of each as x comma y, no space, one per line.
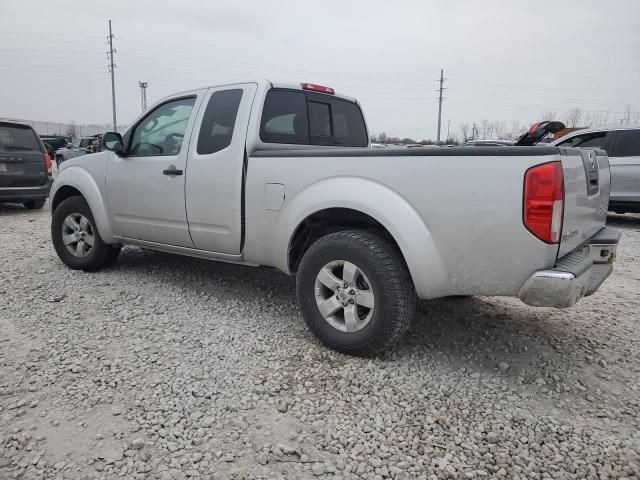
471,206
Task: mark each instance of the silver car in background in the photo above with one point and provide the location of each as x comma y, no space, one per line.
622,145
74,149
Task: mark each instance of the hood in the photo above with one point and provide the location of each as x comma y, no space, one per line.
89,160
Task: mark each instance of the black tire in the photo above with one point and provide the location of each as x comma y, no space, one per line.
34,203
100,255
389,280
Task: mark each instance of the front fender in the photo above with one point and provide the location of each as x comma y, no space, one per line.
79,178
386,206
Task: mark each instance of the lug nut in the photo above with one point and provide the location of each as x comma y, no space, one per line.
352,292
346,285
351,301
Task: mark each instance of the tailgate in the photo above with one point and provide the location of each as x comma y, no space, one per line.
21,157
587,184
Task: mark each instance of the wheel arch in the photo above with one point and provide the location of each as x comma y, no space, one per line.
361,203
76,181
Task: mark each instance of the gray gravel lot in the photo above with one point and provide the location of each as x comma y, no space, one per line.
168,367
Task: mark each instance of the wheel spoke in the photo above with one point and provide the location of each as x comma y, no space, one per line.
365,298
349,272
89,239
71,223
350,318
83,223
80,249
329,306
328,279
68,239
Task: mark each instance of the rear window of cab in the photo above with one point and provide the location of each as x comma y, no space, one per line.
308,118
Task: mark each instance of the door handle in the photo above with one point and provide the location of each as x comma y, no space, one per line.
172,171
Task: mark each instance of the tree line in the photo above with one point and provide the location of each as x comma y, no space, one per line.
501,130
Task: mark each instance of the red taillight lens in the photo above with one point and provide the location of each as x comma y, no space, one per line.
47,162
544,201
318,88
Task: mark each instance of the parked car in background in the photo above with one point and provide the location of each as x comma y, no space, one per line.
488,143
622,145
25,166
74,149
54,142
281,175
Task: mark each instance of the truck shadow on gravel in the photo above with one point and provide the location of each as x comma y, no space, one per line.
476,333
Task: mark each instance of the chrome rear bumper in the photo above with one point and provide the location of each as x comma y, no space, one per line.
576,275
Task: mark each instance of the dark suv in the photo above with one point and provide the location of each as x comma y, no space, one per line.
25,166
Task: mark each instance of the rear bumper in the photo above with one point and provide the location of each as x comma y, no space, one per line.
576,275
21,194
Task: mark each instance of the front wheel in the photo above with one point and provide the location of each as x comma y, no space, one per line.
76,238
355,292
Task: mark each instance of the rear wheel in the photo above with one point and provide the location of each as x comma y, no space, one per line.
34,203
355,292
77,240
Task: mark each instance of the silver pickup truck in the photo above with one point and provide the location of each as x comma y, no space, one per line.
259,173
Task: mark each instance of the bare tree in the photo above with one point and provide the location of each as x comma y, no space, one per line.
596,119
549,115
498,129
72,130
573,118
464,129
485,128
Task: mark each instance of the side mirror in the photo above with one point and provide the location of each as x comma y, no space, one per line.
113,141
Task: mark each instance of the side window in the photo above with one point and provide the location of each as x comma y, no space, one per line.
162,131
85,142
75,144
284,118
218,121
588,140
627,143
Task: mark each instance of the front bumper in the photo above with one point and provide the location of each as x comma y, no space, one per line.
21,194
576,275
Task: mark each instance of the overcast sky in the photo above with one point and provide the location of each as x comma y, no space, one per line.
503,59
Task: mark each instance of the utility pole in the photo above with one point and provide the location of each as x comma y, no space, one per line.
448,128
143,95
113,81
440,105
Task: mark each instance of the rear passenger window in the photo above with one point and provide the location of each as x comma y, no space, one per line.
627,143
320,119
18,138
292,116
284,118
218,121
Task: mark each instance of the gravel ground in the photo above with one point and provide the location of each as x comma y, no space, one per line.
168,367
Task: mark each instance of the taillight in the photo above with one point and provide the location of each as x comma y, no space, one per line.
47,162
318,88
544,201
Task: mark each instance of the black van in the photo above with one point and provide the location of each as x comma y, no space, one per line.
25,166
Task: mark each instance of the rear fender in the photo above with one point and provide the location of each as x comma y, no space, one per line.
392,211
77,177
